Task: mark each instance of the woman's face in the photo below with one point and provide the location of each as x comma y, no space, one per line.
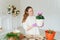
30,12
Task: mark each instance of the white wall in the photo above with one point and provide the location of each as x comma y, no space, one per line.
7,21
51,10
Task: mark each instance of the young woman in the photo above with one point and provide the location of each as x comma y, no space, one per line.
29,22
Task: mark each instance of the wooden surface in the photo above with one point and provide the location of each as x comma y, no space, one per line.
32,38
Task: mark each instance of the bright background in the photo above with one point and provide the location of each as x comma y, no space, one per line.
51,9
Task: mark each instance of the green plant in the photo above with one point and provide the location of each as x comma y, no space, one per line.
13,35
39,17
50,34
50,31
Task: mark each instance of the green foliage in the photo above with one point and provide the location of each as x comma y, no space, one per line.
40,17
11,34
50,31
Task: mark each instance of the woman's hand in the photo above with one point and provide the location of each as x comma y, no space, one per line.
30,27
34,25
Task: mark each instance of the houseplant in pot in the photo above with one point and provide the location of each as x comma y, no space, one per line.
21,35
12,36
40,19
50,34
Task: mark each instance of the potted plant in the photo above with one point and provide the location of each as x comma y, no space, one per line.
21,36
50,34
12,36
40,19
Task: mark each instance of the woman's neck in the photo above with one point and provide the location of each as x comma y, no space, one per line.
31,15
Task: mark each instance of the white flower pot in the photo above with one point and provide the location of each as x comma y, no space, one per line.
16,31
40,22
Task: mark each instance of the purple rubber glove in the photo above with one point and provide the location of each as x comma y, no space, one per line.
34,25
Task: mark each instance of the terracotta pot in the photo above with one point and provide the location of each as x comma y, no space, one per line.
21,36
49,36
11,38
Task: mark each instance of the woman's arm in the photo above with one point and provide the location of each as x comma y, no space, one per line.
29,27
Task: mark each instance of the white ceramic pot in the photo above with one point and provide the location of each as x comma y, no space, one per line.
40,22
16,31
